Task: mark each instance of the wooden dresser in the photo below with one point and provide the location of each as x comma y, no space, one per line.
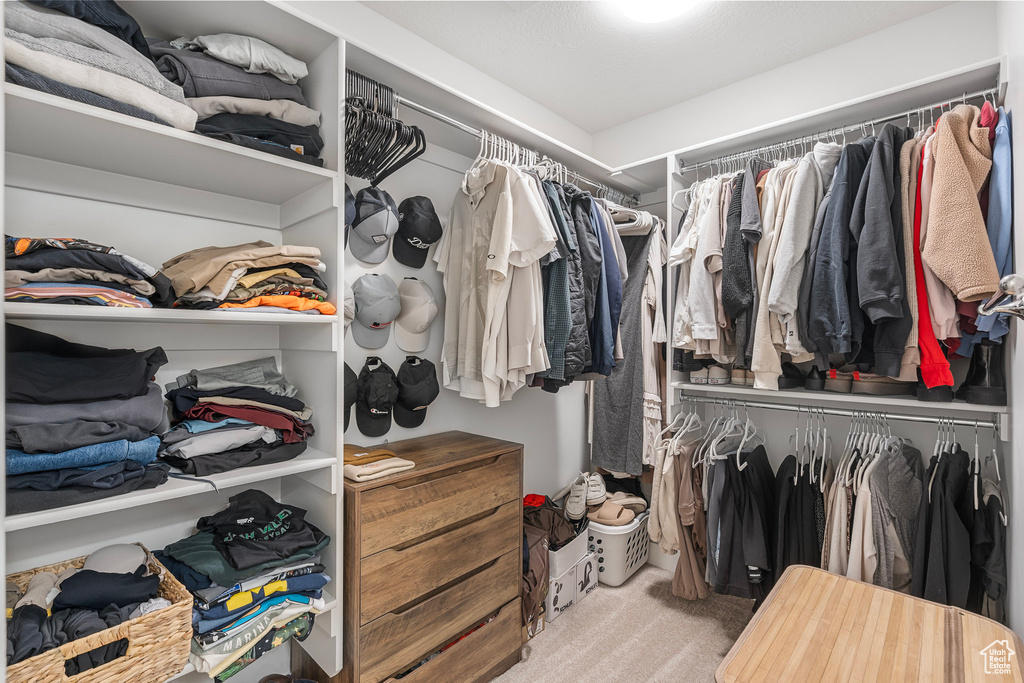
429,554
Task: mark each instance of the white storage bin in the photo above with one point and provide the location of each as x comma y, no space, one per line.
621,550
561,594
568,556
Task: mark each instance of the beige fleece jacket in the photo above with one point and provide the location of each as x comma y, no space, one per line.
957,247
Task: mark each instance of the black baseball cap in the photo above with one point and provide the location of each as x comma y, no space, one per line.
376,393
418,228
351,382
417,388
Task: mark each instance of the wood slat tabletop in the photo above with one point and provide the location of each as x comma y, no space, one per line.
817,626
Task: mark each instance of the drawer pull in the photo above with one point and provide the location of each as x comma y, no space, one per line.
403,486
441,589
403,547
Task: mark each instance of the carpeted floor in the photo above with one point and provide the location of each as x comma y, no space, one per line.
636,632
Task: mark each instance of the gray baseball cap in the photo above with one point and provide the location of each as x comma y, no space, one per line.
375,223
419,308
377,305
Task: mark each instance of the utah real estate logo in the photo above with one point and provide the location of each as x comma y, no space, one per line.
997,657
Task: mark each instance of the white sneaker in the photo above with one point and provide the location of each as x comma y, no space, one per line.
699,376
718,375
596,492
576,502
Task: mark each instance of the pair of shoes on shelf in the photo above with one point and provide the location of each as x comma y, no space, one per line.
587,490
985,383
714,374
848,380
742,378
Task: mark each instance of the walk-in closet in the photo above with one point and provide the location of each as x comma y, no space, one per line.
361,342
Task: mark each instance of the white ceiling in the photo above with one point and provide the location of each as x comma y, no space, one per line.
563,55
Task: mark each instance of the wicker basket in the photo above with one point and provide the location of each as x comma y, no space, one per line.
158,642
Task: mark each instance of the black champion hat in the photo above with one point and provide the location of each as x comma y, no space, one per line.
418,228
351,381
417,388
376,393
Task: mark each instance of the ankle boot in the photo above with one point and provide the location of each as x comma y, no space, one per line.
987,383
961,392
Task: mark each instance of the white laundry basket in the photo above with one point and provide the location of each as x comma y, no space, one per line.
621,550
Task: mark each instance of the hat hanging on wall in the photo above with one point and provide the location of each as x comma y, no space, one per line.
417,389
418,228
375,223
376,393
419,308
377,306
351,384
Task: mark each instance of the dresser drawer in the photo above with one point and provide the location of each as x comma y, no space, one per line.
398,513
470,659
396,577
396,641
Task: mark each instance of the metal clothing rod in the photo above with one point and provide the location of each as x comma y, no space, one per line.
842,413
845,129
621,196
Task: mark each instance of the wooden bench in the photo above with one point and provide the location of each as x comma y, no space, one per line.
817,626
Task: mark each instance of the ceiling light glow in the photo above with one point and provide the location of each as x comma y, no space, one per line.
654,11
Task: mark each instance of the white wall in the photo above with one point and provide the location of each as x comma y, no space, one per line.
550,426
1010,21
950,38
365,28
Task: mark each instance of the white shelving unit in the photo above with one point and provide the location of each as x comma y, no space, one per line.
154,192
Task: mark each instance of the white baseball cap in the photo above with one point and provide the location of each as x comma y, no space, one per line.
419,308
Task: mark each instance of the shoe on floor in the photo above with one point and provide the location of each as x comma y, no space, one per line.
792,377
627,500
611,514
576,502
699,376
840,381
815,380
596,491
718,375
879,385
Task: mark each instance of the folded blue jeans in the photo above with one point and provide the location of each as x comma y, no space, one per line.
144,452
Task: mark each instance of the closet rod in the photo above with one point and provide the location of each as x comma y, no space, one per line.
989,424
845,128
477,133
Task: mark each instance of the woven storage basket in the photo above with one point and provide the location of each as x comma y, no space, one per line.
158,642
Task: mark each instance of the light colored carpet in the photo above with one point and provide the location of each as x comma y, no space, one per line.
638,631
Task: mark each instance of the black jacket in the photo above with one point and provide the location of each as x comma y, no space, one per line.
876,227
832,325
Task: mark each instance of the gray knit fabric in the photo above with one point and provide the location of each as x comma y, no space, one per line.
619,399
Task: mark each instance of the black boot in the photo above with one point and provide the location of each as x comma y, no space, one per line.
987,383
961,392
815,380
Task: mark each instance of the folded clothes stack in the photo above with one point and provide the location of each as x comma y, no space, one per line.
255,571
244,91
232,416
74,271
81,421
113,586
258,276
92,53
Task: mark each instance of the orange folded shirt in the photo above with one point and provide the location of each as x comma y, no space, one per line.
295,303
